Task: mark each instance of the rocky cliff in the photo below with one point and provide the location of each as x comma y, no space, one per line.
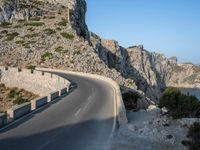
12,11
53,33
148,70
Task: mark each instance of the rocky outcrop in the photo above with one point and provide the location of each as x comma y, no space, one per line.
185,75
17,10
148,70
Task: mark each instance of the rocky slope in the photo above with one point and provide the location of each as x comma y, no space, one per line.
53,33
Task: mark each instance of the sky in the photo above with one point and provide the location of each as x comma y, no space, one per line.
171,27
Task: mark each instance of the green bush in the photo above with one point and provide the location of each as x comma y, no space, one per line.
20,42
31,35
46,55
32,23
49,31
194,135
11,36
59,49
5,24
13,93
59,29
26,45
4,32
66,35
20,100
63,22
179,105
130,100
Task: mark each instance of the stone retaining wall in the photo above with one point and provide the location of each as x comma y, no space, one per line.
48,86
18,111
38,82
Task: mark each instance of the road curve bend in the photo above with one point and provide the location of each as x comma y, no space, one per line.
82,120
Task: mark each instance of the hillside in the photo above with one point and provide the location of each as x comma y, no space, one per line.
53,33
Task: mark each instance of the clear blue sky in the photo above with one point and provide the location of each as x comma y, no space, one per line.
171,27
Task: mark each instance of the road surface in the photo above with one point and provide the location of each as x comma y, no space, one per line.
83,120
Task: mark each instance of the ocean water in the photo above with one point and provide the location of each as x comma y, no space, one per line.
190,91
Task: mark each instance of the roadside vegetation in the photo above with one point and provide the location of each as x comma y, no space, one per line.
194,137
180,105
13,96
130,100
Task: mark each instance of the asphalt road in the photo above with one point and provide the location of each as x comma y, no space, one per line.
82,120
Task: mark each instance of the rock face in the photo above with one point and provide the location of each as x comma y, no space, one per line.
17,10
185,75
53,33
148,70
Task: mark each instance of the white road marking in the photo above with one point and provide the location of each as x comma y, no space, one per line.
88,103
77,112
42,146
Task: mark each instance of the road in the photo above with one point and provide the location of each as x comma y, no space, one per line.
82,120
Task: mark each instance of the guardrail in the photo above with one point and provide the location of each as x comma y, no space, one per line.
121,111
18,111
2,119
39,102
52,96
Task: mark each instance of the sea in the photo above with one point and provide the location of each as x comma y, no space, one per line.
191,91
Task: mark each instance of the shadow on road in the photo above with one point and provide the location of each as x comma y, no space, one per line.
90,135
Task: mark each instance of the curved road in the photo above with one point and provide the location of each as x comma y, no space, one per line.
83,120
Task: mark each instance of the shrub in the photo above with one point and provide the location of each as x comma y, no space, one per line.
32,23
46,55
63,22
20,100
30,29
20,42
31,35
49,31
4,32
5,24
26,45
194,135
178,104
66,35
59,49
13,93
130,100
59,29
11,36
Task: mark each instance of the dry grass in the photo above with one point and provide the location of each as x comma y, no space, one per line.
13,96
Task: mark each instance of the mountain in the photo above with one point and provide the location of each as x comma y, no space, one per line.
53,33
